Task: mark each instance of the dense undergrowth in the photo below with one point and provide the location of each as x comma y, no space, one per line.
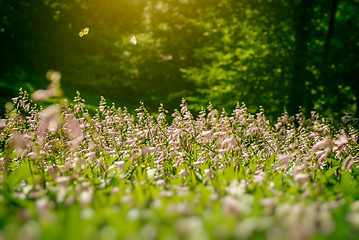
115,175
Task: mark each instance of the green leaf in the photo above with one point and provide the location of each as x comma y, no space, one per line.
278,180
19,174
330,172
229,173
348,183
270,161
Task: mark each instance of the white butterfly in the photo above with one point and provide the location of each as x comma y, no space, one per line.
84,32
133,40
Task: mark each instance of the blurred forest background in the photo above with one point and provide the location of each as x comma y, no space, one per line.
270,53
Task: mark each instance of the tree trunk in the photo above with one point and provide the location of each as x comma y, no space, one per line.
331,25
302,20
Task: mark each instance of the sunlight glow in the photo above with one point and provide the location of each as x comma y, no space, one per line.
133,40
84,32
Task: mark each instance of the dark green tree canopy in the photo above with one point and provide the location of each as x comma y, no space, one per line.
270,53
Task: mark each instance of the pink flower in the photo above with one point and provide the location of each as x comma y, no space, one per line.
321,144
208,134
43,94
286,158
342,140
259,178
301,177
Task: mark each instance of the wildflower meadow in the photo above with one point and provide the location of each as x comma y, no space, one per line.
69,174
220,119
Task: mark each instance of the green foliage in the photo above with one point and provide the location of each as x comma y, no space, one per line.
238,57
273,54
21,173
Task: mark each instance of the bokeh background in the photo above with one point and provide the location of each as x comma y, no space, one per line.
271,53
